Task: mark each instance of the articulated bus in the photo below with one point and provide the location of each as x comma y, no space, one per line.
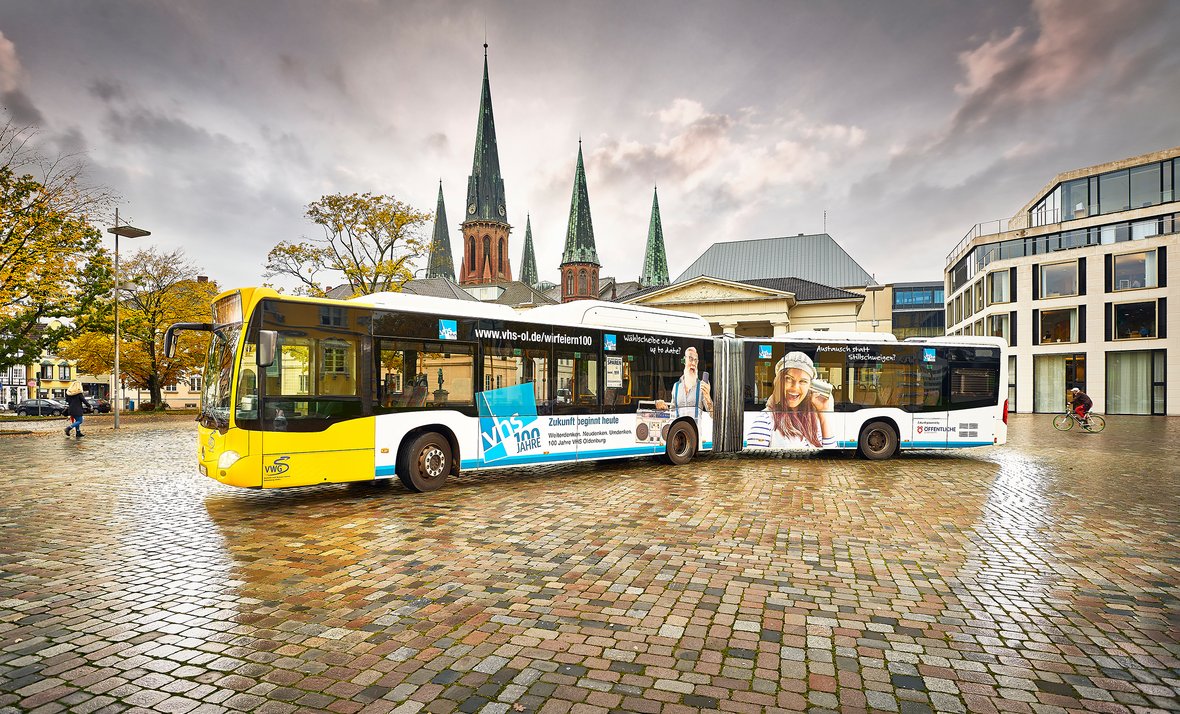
300,391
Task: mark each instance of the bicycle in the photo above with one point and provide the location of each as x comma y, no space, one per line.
1093,423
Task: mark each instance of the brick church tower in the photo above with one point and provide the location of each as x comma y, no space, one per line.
485,221
579,260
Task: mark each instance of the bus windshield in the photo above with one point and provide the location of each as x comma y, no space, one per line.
219,373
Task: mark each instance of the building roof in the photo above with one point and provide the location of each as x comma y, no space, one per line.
803,290
440,265
655,260
508,292
816,258
579,237
528,260
615,290
436,287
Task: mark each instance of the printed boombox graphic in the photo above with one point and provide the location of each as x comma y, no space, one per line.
651,424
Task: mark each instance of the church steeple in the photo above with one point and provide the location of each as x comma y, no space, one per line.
655,260
579,260
528,261
485,188
441,265
485,223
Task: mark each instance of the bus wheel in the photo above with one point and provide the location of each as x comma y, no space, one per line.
681,444
425,463
878,440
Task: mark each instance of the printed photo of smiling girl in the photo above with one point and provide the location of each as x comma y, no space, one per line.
797,413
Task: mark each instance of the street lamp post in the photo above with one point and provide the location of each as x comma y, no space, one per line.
126,232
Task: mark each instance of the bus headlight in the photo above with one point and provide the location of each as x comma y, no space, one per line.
227,459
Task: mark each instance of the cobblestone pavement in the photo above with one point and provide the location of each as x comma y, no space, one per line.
1043,576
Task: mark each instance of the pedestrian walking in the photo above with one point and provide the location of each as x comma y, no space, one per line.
74,408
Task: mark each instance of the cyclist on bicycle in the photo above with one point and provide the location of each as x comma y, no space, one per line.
1082,404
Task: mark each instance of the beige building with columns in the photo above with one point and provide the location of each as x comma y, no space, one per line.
772,307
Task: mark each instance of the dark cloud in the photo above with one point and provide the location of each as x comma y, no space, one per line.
108,90
21,108
145,129
437,142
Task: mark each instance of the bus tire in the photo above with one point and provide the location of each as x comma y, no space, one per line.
878,441
424,464
681,444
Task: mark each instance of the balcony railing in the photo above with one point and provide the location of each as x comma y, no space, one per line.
1001,225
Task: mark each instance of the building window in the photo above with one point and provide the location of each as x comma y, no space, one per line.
63,371
1059,279
1114,192
1129,382
194,383
1135,270
487,251
500,257
471,254
1076,199
170,388
569,283
997,326
582,287
1059,326
1145,185
999,287
332,316
1011,382
1134,320
1053,376
46,371
335,357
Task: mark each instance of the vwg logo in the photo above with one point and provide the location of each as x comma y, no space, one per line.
280,466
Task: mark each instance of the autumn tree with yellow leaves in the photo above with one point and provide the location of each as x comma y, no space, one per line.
52,263
368,241
156,289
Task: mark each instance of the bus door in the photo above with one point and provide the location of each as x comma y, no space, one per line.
926,400
574,433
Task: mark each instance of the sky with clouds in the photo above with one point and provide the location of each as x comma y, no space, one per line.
218,121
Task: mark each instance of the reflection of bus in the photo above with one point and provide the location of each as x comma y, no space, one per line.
302,391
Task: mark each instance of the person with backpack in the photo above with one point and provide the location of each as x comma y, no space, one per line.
74,408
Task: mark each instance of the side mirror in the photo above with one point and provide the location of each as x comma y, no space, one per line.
170,334
267,340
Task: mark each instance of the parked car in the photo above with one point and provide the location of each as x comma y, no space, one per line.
96,404
40,407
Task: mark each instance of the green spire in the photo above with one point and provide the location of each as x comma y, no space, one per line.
579,238
655,260
528,262
485,188
440,265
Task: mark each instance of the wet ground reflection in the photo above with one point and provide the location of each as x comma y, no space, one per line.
1042,573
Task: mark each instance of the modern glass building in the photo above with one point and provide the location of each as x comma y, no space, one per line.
918,310
1078,282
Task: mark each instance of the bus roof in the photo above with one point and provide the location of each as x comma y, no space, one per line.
587,313
637,318
826,336
962,340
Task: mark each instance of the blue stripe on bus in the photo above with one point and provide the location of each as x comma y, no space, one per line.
550,458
